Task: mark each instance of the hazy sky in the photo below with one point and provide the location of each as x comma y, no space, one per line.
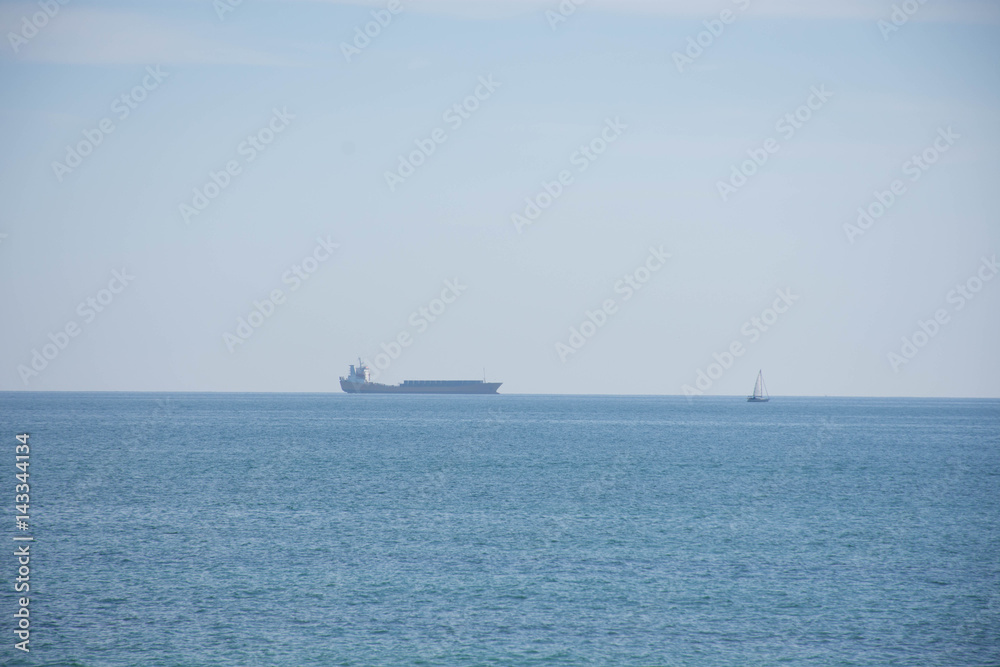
118,119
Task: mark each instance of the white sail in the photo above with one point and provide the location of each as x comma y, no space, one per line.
759,390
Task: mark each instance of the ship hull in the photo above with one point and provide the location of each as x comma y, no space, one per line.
376,388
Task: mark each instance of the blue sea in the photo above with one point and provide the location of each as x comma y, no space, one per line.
299,530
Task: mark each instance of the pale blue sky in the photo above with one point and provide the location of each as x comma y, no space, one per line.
656,185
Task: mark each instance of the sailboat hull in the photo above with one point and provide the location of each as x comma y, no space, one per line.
751,399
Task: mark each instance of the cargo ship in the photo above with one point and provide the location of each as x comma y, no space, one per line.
359,382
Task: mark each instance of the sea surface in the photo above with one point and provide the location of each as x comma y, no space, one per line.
300,530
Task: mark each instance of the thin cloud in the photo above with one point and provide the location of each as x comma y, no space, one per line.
102,35
80,35
972,11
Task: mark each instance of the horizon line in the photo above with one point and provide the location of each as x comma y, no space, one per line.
342,393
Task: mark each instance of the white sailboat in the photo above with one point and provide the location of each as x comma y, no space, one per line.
759,391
